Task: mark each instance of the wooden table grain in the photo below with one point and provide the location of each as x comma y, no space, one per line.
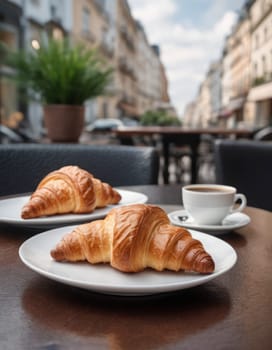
231,312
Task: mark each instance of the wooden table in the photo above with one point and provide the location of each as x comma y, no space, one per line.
179,136
231,312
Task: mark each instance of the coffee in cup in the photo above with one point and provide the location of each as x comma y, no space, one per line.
209,204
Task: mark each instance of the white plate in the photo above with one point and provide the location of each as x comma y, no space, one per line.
35,253
230,223
10,211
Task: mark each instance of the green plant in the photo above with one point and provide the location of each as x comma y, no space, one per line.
160,118
61,73
258,81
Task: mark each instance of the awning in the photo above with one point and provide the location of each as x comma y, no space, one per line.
261,92
234,105
224,113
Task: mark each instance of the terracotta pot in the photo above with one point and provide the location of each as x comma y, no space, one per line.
64,123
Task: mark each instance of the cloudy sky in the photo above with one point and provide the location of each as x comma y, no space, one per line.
190,34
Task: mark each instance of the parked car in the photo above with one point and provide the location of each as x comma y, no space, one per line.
130,122
106,124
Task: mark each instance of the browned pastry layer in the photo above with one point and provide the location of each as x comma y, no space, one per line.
132,238
69,190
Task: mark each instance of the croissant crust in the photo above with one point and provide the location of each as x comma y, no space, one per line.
132,238
69,190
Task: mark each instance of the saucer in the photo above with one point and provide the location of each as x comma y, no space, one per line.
230,223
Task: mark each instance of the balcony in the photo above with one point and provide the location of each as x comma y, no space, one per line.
100,7
127,38
261,18
126,68
106,48
261,92
88,35
128,105
128,99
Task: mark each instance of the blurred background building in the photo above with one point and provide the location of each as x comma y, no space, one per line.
139,79
237,90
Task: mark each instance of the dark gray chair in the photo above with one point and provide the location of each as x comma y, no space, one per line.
247,165
264,134
22,166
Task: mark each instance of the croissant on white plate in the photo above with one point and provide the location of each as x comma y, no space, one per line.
132,238
69,190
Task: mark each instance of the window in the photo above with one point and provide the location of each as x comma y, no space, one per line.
265,33
255,70
8,92
86,17
57,34
9,35
264,7
105,110
53,11
9,99
264,66
271,63
256,41
35,2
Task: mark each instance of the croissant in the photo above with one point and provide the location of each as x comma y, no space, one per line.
69,190
132,238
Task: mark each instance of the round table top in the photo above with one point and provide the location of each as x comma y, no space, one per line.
232,311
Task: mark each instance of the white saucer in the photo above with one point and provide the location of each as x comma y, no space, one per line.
230,223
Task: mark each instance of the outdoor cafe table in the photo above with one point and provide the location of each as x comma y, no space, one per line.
179,136
232,311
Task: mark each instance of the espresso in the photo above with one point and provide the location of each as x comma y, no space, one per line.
208,189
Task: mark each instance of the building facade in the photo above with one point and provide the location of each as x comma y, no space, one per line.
139,81
240,69
10,36
94,27
246,70
25,25
126,61
261,61
214,74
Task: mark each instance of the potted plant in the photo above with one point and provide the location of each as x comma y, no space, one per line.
64,76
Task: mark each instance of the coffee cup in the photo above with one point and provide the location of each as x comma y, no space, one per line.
209,204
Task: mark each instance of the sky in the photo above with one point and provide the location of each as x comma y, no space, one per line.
190,34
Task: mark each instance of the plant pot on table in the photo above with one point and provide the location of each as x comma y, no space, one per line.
64,123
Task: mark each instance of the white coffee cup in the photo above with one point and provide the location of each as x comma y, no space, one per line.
209,204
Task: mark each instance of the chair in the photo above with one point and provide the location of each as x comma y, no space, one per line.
22,166
264,134
247,165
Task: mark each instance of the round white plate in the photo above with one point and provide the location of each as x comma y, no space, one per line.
10,211
230,223
35,253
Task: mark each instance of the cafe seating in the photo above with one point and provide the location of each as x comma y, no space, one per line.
246,164
263,134
22,166
182,157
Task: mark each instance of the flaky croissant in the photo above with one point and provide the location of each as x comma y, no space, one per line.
132,238
69,190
